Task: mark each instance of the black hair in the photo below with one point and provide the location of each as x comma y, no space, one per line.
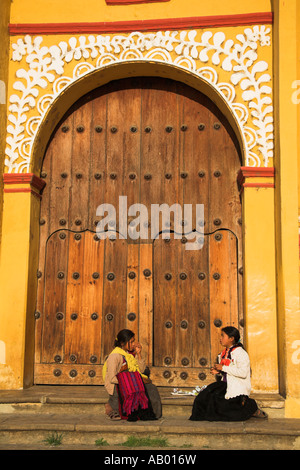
231,331
123,337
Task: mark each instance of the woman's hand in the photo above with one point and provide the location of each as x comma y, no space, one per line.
146,380
124,367
216,369
138,349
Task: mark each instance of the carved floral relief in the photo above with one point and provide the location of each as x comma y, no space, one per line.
45,71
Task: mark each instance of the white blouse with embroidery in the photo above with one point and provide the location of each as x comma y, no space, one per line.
238,374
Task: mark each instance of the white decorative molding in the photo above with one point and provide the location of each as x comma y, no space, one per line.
47,65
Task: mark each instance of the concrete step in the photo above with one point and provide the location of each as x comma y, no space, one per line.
91,399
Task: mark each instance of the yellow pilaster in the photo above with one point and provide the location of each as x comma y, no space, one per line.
286,202
19,256
259,268
4,61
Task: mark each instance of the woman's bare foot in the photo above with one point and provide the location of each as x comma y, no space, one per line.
108,408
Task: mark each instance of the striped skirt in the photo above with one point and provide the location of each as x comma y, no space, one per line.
132,392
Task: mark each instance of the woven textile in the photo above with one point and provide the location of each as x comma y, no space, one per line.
132,391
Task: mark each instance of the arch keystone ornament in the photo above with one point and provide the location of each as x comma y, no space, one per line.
46,72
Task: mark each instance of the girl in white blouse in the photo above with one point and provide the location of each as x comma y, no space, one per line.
227,399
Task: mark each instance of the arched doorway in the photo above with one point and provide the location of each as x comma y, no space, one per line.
153,141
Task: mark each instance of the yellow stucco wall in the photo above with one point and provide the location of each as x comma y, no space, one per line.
271,259
54,11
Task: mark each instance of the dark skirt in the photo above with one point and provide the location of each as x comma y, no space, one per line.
211,405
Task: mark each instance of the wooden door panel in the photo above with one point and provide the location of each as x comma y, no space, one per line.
184,322
223,281
132,275
59,179
200,299
194,151
159,147
84,306
75,309
123,145
104,286
145,328
224,196
114,292
129,147
165,313
56,267
84,299
79,196
97,175
195,297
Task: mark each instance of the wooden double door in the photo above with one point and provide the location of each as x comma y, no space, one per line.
153,141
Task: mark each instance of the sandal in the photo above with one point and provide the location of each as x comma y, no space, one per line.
113,416
260,414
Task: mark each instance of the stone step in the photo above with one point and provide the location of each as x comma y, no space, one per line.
81,431
91,400
28,417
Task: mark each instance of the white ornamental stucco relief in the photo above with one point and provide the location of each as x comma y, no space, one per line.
46,66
